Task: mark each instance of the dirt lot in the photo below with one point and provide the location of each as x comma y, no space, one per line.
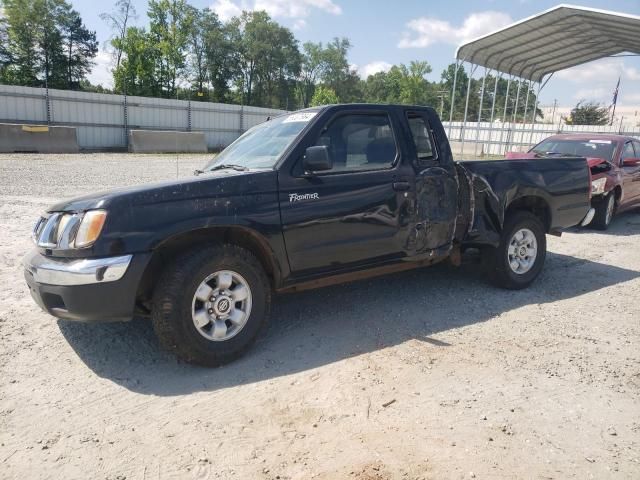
429,374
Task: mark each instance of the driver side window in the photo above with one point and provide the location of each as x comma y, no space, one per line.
358,142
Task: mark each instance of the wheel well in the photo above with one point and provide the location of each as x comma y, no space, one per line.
534,205
617,191
168,249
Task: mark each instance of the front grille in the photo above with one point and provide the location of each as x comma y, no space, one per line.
56,230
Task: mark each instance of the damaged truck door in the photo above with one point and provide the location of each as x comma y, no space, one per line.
436,187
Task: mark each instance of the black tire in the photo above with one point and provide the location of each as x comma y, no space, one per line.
173,300
496,260
601,219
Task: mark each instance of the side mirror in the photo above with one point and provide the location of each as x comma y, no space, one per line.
317,159
631,162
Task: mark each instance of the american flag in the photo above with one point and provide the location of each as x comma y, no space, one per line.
615,94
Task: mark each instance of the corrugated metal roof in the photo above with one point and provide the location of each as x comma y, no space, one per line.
561,37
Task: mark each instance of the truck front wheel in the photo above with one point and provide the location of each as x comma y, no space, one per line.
210,304
519,257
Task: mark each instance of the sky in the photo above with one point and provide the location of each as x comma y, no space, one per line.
385,32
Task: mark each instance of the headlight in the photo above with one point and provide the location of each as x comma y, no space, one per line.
90,228
597,186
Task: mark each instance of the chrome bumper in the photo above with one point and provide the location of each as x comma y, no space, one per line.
75,271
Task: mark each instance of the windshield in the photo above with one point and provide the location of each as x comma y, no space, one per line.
579,148
262,145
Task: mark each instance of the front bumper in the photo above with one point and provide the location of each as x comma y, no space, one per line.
101,289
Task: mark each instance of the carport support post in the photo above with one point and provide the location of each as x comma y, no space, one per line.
484,79
493,107
535,109
466,109
125,119
504,113
515,112
453,97
524,116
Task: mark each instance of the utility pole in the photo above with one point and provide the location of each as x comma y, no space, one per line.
553,112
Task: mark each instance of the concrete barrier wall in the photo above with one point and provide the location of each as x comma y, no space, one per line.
103,121
153,141
37,138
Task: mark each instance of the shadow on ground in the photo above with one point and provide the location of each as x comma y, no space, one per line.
316,328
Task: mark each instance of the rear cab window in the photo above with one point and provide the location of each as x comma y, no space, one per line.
422,139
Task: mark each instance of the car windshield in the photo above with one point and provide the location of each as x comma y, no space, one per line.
261,146
579,148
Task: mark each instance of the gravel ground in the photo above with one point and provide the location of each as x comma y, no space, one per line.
428,374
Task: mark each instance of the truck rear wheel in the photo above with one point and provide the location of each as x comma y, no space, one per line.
519,258
210,304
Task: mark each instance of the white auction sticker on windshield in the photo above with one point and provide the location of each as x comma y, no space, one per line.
607,142
299,117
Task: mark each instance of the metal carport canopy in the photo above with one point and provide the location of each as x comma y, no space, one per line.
561,37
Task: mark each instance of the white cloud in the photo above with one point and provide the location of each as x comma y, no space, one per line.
296,9
425,31
597,80
225,9
101,72
605,69
299,24
374,67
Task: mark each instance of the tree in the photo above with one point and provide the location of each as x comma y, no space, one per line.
414,87
588,113
5,55
119,20
311,67
221,58
80,46
324,96
337,74
135,75
48,36
47,44
168,27
487,100
268,59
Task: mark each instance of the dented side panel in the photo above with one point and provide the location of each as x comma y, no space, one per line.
561,184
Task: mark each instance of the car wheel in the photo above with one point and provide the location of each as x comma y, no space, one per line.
210,304
519,258
605,211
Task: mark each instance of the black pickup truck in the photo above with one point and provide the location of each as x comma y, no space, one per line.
319,196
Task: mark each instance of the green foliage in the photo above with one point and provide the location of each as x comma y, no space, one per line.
501,97
324,96
251,59
119,21
135,75
588,113
45,43
404,84
268,60
168,29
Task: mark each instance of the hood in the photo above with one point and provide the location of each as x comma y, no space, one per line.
222,183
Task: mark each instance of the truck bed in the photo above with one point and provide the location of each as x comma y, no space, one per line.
556,186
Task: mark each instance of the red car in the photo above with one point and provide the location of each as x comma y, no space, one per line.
614,161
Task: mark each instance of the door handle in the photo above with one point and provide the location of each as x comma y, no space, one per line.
401,186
